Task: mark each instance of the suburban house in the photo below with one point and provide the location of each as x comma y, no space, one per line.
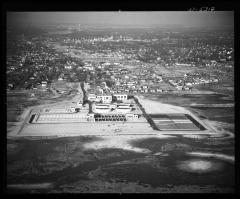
44,84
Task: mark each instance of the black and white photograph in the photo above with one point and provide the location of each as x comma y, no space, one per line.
120,101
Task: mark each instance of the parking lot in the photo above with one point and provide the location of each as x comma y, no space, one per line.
175,122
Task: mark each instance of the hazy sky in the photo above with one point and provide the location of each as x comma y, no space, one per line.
186,18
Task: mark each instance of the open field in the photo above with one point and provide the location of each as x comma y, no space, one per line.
217,112
121,164
179,71
188,99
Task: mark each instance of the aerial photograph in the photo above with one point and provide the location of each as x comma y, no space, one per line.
120,102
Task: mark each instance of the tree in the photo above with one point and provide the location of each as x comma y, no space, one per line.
110,83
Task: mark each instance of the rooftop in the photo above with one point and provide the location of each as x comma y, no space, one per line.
122,93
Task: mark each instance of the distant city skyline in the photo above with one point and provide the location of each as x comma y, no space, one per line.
184,18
